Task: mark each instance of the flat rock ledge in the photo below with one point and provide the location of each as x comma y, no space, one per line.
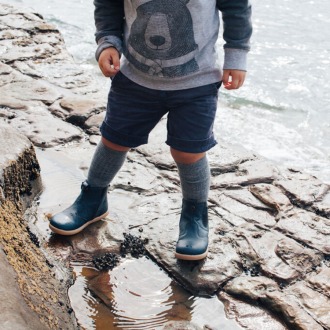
27,278
269,253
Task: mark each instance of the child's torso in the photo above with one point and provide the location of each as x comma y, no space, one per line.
170,44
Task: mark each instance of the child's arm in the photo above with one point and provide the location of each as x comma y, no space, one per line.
109,22
236,15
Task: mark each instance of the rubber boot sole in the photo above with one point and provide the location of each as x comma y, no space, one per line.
191,257
76,231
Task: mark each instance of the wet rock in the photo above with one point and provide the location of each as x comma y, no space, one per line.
6,114
224,158
57,110
97,239
52,69
320,281
80,109
94,122
281,257
233,219
46,131
80,84
32,287
17,22
19,169
134,209
308,228
241,210
31,91
266,291
248,316
249,172
26,69
15,312
272,196
201,277
303,189
5,69
20,53
94,139
12,103
48,38
27,23
180,325
317,305
244,196
135,177
14,77
157,151
13,34
322,208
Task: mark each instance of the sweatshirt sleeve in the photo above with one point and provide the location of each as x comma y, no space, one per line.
109,19
237,26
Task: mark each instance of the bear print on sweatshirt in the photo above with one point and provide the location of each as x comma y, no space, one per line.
161,41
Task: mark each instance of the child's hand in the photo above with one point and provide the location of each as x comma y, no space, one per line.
237,79
108,57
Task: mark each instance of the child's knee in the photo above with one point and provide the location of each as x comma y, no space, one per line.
114,146
186,157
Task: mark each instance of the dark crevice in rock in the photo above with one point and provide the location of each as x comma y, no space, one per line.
17,177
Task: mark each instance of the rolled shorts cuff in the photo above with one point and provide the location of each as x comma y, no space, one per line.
122,139
193,147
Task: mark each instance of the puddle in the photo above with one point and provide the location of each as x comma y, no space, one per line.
137,294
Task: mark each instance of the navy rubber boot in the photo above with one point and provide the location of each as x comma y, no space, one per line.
90,206
194,231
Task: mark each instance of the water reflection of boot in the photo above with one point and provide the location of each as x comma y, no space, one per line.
194,230
90,206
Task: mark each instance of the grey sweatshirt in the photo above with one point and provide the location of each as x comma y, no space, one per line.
171,44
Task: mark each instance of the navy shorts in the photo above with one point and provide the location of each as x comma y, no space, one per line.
133,111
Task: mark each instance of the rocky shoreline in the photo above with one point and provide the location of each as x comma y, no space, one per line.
269,259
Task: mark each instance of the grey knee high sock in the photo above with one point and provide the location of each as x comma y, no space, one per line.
195,180
105,164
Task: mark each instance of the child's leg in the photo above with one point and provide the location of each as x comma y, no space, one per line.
194,172
107,161
190,135
92,203
132,112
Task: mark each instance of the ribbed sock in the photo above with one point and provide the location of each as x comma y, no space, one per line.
195,180
105,165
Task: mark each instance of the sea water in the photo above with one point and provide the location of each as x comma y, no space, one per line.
283,110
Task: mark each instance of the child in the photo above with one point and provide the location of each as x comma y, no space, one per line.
169,65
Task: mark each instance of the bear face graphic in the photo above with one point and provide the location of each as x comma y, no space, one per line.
161,41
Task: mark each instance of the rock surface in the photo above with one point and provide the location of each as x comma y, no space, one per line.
269,253
11,316
30,290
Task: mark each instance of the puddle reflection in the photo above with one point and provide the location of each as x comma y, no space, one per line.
137,294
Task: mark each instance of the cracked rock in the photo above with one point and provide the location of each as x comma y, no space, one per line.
46,131
246,212
308,228
303,189
266,291
317,305
250,172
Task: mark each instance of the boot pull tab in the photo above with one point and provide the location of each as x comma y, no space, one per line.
85,186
